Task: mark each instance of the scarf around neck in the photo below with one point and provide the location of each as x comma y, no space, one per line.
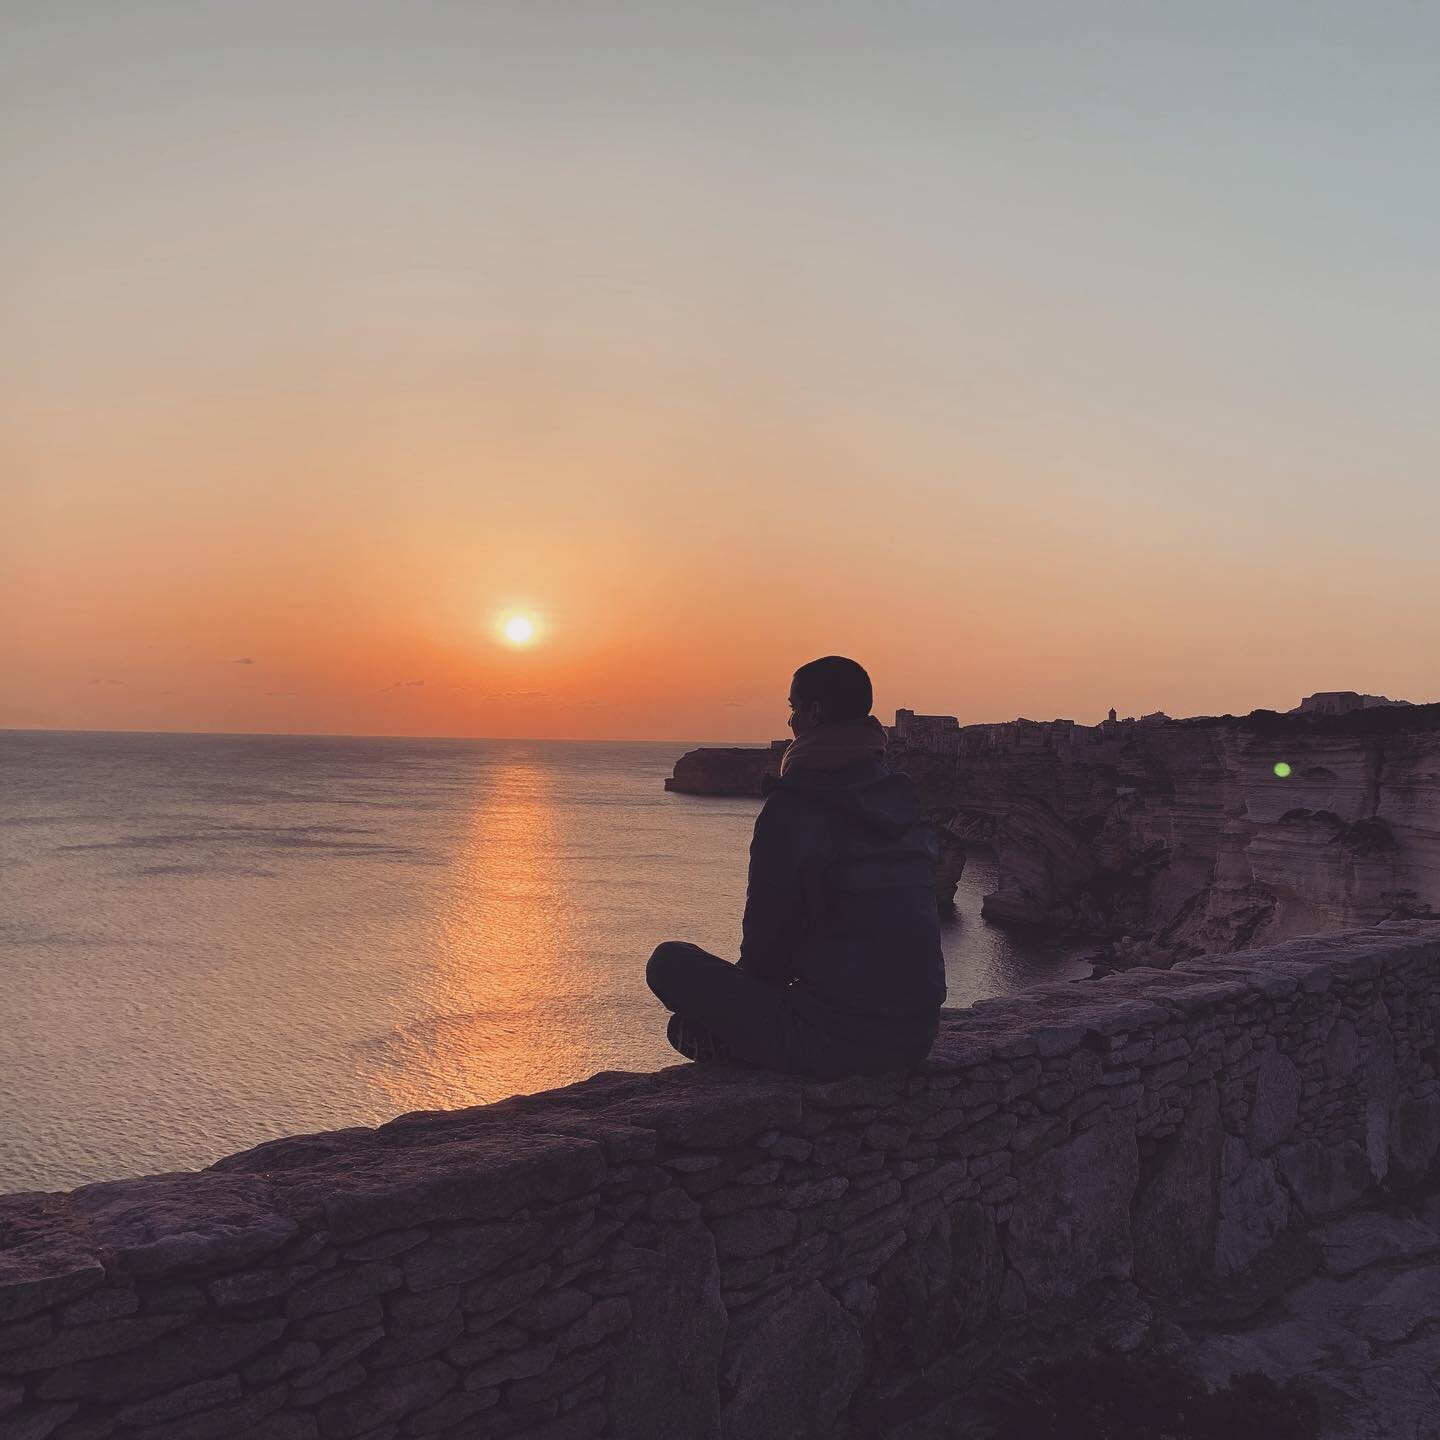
835,745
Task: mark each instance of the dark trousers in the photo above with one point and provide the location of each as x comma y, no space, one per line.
778,1027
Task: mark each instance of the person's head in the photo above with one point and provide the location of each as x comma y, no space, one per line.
828,690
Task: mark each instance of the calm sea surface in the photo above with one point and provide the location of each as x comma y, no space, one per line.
208,941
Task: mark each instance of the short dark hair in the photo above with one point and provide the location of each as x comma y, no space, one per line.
841,686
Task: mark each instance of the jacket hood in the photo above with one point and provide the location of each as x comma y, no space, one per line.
866,792
835,745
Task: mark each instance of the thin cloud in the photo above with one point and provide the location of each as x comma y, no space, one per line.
594,704
243,660
282,692
733,705
401,685
103,681
518,696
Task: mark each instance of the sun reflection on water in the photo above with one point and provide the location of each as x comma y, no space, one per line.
502,1010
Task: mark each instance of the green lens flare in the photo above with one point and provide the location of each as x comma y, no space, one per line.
1282,769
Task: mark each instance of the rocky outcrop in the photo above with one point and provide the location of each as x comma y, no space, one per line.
713,1252
950,865
1210,835
1357,1328
738,770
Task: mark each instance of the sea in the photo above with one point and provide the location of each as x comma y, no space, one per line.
207,941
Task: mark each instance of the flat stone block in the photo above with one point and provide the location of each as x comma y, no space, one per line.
754,1232
486,1178
1361,1240
200,1350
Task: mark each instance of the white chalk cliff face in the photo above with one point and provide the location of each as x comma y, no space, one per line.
1351,835
1183,834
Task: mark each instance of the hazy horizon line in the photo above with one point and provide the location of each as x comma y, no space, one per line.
358,735
552,739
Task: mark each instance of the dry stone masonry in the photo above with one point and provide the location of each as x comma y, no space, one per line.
709,1252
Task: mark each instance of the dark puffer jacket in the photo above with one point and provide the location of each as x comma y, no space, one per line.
841,898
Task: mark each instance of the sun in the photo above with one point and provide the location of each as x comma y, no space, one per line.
519,626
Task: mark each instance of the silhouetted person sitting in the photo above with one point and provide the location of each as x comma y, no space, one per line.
840,968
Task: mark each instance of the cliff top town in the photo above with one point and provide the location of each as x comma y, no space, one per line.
924,732
945,735
942,734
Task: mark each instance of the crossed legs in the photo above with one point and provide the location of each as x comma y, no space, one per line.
720,1012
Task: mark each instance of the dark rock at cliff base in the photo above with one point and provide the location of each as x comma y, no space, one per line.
950,866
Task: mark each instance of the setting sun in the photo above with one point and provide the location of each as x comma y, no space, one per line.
519,630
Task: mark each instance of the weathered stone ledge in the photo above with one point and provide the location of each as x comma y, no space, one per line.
714,1252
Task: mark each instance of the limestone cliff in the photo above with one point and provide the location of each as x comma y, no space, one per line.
1183,833
1180,834
737,770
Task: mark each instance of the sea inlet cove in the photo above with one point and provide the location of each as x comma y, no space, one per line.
1196,1164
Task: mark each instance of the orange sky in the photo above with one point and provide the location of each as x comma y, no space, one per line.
1028,379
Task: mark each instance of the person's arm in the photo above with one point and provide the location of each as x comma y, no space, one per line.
775,915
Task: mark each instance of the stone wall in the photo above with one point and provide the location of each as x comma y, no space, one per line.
716,1253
